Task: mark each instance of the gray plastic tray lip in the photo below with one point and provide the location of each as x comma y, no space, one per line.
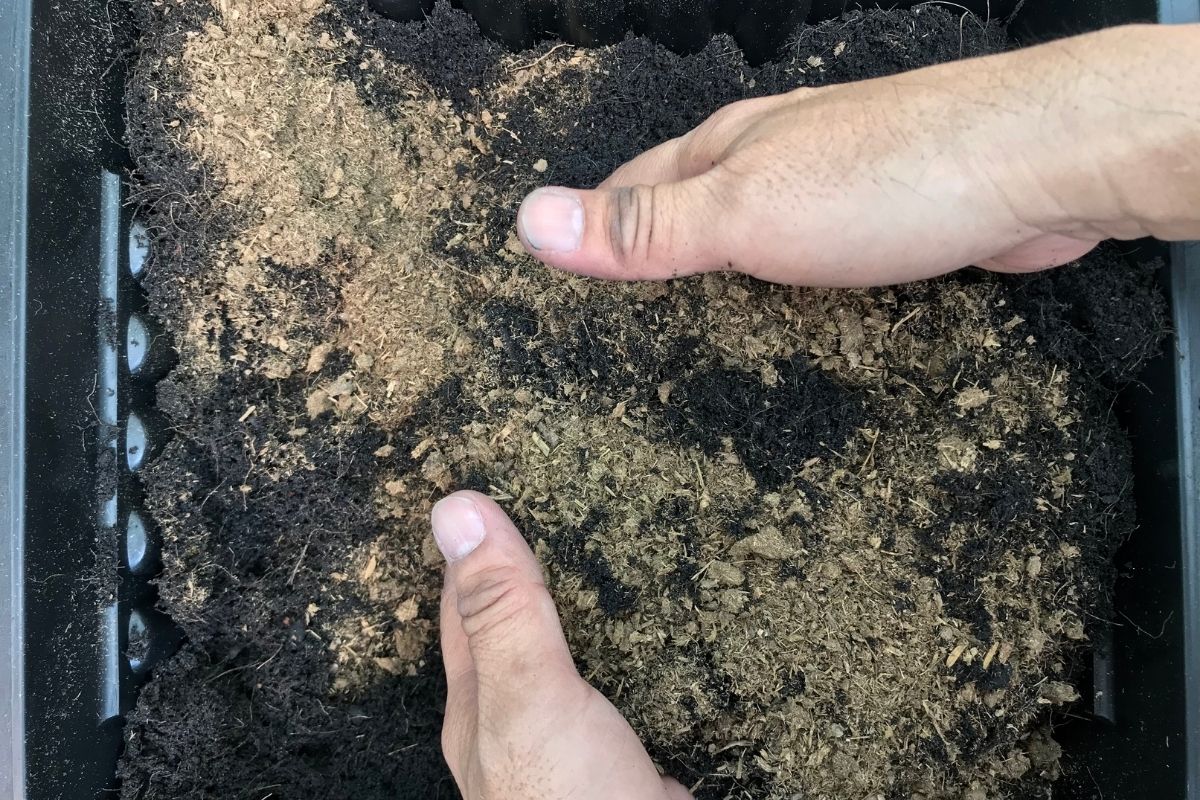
15,29
1176,12
1185,290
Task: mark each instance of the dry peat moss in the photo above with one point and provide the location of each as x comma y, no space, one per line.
814,544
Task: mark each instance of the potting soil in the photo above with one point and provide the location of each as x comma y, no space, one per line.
812,543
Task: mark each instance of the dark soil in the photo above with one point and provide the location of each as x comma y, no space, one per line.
922,484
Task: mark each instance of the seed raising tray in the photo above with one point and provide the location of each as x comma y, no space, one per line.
80,357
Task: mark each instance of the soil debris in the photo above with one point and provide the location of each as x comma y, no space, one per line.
812,543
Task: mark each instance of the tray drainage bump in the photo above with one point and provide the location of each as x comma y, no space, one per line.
136,343
139,248
137,545
135,442
137,649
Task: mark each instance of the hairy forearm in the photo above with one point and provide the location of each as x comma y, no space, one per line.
1125,160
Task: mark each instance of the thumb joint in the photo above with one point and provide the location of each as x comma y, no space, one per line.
634,219
495,602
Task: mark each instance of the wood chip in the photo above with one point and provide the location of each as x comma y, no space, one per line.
407,611
768,543
991,654
317,357
1012,323
972,397
317,404
423,447
1057,693
725,573
368,571
955,655
392,666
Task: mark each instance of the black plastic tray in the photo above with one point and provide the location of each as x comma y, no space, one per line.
79,360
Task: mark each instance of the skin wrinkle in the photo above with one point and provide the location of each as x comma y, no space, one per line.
655,222
622,203
1011,206
494,607
1153,112
1017,82
1123,208
642,208
636,219
911,188
973,98
1084,67
707,137
687,154
724,190
905,113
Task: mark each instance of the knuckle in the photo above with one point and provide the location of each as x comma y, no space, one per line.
700,149
726,115
495,599
633,219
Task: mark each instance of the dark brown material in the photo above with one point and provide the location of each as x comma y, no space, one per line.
271,697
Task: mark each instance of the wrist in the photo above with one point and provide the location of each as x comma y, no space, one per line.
1125,160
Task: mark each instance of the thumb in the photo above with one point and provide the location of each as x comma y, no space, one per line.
518,716
641,232
501,637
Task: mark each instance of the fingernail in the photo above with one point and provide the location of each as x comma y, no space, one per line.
551,219
457,526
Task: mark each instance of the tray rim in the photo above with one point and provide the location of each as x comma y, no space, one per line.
15,23
1185,288
15,74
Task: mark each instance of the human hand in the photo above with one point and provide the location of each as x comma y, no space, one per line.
520,721
1015,162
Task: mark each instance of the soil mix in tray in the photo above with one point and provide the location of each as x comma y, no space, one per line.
813,543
